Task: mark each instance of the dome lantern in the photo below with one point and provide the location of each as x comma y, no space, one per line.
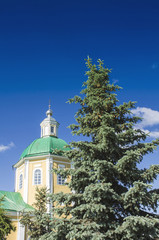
49,126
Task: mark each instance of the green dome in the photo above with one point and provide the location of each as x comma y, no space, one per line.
44,146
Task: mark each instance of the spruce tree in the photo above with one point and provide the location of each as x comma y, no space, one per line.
38,221
6,225
111,197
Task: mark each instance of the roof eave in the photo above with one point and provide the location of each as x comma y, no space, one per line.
21,161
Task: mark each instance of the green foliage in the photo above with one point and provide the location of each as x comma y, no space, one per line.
6,225
38,222
111,197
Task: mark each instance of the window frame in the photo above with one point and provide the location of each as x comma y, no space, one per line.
52,128
34,172
60,179
20,181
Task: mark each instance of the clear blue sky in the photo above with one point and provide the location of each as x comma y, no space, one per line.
43,45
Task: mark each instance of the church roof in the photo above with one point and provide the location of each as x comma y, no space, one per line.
44,146
13,201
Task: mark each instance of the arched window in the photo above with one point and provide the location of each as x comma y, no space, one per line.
37,177
20,181
60,179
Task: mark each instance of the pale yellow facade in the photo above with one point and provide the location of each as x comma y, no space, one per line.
33,165
13,235
56,187
40,164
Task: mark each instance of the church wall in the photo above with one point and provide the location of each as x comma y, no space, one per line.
20,170
41,164
33,165
13,235
56,187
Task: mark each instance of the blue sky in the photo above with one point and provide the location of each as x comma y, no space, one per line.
43,45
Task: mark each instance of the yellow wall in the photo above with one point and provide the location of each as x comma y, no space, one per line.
20,170
13,235
56,187
41,164
33,165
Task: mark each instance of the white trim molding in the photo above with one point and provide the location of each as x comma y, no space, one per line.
21,231
21,161
26,181
48,173
16,186
51,175
49,178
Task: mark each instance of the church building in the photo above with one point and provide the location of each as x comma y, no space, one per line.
33,169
